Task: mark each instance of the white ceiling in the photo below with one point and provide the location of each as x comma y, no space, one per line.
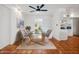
52,8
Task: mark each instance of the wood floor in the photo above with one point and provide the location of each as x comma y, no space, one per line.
70,46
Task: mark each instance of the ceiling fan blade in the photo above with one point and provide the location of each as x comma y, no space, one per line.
38,7
41,5
43,10
32,7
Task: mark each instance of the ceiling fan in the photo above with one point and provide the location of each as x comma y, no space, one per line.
38,8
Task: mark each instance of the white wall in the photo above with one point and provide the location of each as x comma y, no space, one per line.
13,26
4,26
15,17
31,19
76,26
8,25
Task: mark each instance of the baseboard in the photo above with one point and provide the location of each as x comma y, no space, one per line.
76,35
3,46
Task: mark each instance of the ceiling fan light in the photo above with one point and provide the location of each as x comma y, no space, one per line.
37,12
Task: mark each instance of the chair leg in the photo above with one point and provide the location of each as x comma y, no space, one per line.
27,41
22,43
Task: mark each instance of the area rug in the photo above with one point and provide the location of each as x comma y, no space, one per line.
48,45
